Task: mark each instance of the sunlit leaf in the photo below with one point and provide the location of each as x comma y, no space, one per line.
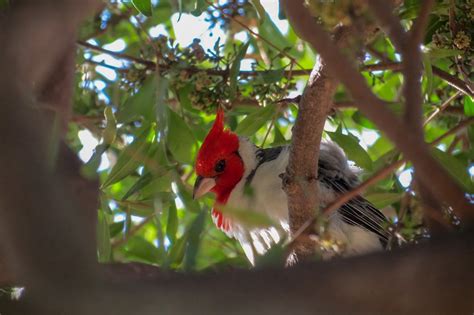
131,157
468,106
143,6
440,53
253,122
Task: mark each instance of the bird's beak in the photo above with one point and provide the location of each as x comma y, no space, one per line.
202,186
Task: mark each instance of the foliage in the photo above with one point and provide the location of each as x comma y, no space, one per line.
150,104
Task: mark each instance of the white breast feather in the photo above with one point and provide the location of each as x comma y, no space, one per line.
269,198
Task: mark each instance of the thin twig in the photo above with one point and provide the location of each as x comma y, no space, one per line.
441,108
454,81
149,64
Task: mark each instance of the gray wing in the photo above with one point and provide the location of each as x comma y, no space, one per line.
358,211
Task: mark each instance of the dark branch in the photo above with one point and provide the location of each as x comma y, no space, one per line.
439,181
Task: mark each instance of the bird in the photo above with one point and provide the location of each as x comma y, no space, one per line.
245,176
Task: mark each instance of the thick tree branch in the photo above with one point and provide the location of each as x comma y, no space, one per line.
433,278
389,22
413,70
41,221
300,182
431,173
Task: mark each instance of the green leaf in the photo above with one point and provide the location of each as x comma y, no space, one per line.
190,204
260,10
428,73
131,157
254,121
183,96
143,6
116,227
352,148
468,106
160,110
269,30
4,4
140,249
279,139
455,168
199,7
441,53
110,130
272,76
382,200
139,208
172,224
235,68
360,119
140,104
104,249
177,251
143,181
180,138
194,240
89,170
161,183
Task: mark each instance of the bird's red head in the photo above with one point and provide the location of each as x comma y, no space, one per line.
218,164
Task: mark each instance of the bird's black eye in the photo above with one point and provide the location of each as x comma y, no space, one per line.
220,166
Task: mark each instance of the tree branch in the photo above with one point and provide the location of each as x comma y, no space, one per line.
432,174
389,22
430,278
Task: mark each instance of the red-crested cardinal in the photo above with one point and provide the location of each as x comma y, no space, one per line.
230,166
